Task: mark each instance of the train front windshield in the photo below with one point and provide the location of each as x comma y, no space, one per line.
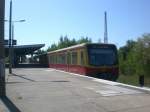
102,56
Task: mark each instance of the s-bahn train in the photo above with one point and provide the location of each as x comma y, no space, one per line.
96,60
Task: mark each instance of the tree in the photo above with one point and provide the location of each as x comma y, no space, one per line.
52,47
38,52
66,42
134,57
84,40
126,58
142,55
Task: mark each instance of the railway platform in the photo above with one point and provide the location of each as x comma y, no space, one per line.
49,90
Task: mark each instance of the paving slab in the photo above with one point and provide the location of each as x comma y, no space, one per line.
49,90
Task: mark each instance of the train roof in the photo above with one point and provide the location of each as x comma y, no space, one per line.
78,46
67,48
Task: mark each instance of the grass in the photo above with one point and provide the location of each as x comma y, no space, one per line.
133,80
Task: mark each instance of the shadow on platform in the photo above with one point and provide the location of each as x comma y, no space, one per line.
23,77
9,104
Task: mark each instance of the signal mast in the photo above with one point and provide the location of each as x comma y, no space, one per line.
105,28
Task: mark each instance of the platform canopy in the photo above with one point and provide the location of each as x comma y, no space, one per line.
20,50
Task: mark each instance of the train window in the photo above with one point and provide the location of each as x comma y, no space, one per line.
74,58
68,58
82,58
59,59
63,59
54,59
102,56
50,61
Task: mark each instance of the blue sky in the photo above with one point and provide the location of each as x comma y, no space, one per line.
47,20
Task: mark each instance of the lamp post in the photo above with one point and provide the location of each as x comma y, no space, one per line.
10,37
2,57
12,46
11,43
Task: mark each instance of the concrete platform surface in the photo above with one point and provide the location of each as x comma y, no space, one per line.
49,90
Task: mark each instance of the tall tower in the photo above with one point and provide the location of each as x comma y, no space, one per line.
105,28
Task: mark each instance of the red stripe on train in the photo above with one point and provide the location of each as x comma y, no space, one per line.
84,70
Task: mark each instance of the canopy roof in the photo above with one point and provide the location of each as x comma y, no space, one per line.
24,49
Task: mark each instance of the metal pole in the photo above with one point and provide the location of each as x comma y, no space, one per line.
10,39
2,57
12,45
